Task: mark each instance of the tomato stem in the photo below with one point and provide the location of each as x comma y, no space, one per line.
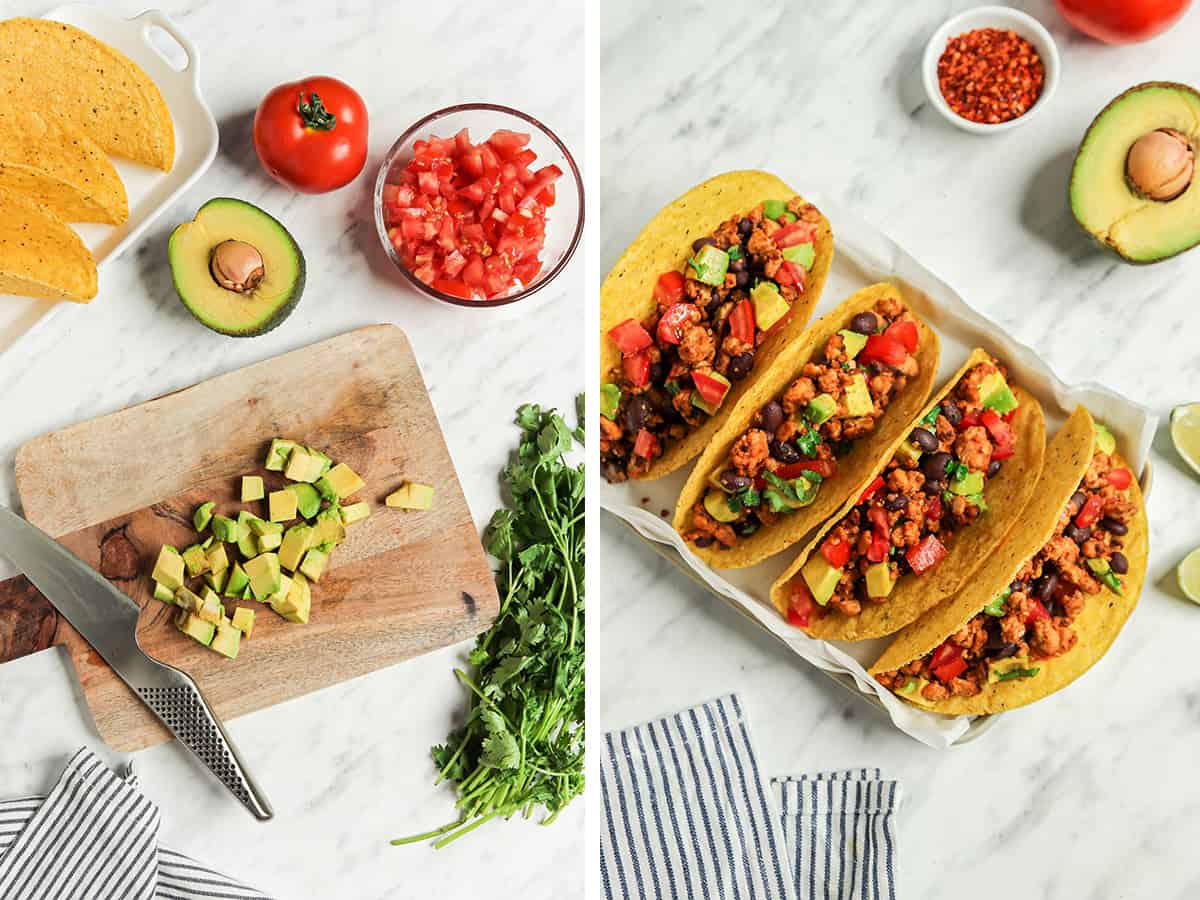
314,113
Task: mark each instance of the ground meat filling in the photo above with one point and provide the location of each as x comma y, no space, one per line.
1033,619
701,329
795,439
933,486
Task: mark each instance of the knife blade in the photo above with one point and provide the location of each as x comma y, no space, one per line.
108,620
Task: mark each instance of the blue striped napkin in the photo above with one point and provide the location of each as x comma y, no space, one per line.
96,836
686,815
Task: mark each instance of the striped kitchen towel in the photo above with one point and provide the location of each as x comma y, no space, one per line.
686,813
95,836
840,833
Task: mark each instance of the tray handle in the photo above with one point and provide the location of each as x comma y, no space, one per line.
156,17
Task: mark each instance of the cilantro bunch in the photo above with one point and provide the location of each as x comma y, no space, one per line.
523,742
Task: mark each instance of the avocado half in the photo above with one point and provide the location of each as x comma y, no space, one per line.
238,314
1108,204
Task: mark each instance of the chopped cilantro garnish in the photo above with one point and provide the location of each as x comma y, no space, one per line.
808,441
931,416
672,387
735,252
998,607
1017,673
956,470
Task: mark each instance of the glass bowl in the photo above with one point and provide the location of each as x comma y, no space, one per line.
564,220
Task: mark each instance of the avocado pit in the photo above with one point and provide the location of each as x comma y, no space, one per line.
1160,164
237,266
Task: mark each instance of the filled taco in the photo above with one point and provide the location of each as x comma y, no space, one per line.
809,430
695,309
929,514
1049,603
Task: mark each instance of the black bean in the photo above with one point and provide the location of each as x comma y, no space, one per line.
737,265
740,366
934,466
1053,607
785,452
742,279
924,439
864,323
1112,526
1044,587
702,242
896,503
735,482
902,565
634,415
1077,500
1077,534
1018,587
952,413
1118,563
772,416
658,371
1005,652
703,541
745,226
993,468
933,486
613,472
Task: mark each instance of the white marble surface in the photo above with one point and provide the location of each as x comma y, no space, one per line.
346,768
1092,793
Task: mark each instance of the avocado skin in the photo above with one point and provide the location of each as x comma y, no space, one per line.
1071,183
281,312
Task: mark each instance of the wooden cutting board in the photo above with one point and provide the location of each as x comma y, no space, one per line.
115,489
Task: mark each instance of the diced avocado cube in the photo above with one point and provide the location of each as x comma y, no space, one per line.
297,540
282,506
1105,442
329,528
171,548
163,593
238,581
314,564
411,495
716,504
907,451
325,489
168,569
995,393
259,527
967,484
610,400
243,620
303,466
203,515
326,462
225,529
801,254
206,543
218,559
217,580
285,586
853,342
195,627
252,488
296,605
355,512
188,600
277,454
270,541
880,579
264,575
822,578
247,543
1098,566
227,641
247,592
211,610
769,305
858,397
820,408
308,500
345,480
196,560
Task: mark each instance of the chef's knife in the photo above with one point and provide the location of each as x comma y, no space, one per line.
108,619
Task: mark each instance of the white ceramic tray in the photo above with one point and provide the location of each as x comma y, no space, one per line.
150,190
864,255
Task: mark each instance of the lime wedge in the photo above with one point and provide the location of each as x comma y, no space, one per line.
1188,574
1185,433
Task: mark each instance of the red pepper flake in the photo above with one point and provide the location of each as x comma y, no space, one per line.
990,76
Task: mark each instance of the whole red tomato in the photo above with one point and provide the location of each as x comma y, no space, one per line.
1122,21
311,135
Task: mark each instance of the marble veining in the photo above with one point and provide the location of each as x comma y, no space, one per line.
346,768
1091,793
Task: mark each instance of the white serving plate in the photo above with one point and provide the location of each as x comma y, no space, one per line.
150,190
864,255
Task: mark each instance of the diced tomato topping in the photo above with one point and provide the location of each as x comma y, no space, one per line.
630,337
741,322
802,606
669,288
637,368
933,507
926,554
906,333
999,429
646,445
790,273
884,349
949,671
968,420
1036,611
836,553
673,321
947,652
452,287
711,390
877,550
1090,512
1120,478
508,143
826,468
874,486
1003,451
798,232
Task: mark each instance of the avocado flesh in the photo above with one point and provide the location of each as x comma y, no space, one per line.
1103,202
256,312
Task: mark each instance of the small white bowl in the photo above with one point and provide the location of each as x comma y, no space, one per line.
1005,19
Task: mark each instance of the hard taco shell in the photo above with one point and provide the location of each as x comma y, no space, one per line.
40,256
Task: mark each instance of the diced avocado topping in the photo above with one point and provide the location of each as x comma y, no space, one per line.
1102,570
908,451
196,560
203,515
296,541
769,305
247,542
1105,442
259,527
314,564
243,620
195,627
252,488
285,585
296,605
281,506
716,504
308,498
344,480
853,342
822,578
355,512
710,265
773,209
304,466
995,393
277,455
967,483
206,543
909,686
264,575
801,254
163,593
820,408
238,581
858,397
410,495
324,490
610,400
225,529
227,641
880,579
785,496
168,569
